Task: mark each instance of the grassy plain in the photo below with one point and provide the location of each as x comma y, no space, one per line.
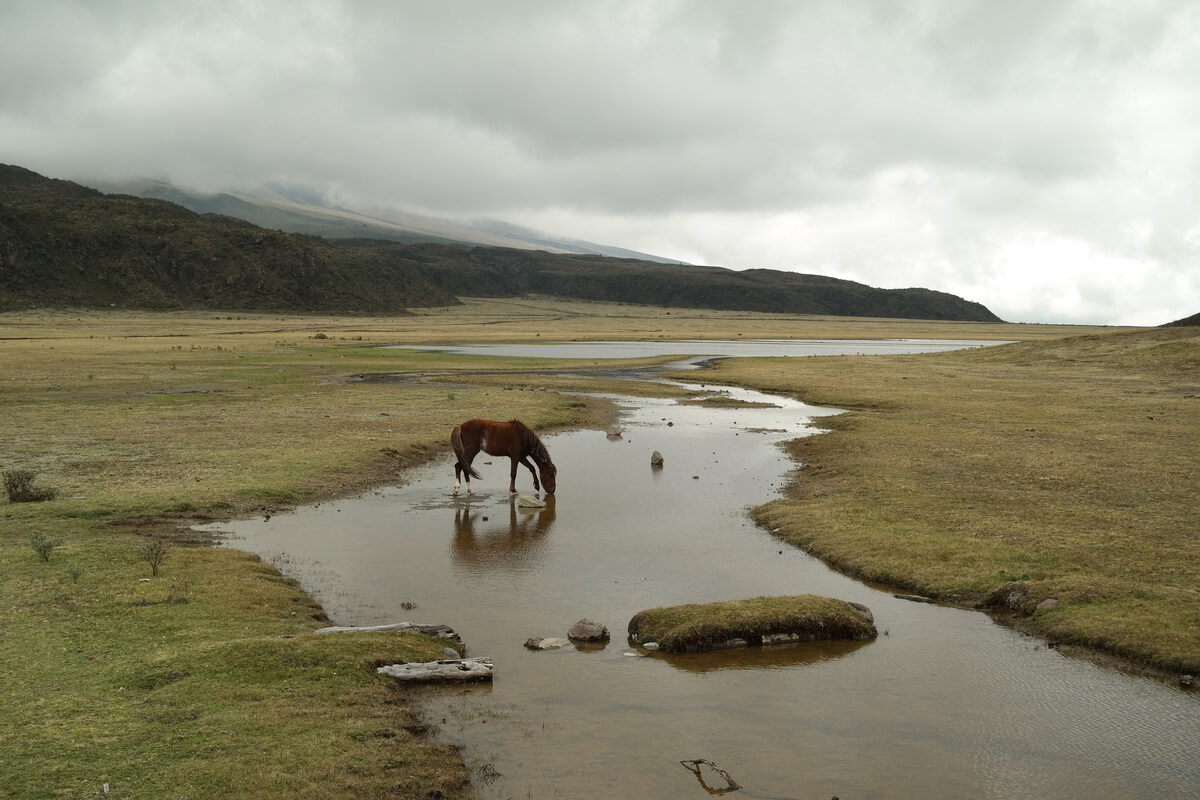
205,681
1008,476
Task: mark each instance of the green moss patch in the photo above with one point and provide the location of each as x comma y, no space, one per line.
759,620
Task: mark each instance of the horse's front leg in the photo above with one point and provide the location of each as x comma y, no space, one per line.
537,487
512,477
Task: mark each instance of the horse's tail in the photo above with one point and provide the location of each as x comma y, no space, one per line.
460,452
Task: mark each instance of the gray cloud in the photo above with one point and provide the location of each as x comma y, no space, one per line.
1036,157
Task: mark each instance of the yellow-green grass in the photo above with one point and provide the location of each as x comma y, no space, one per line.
698,627
505,320
221,692
104,682
553,319
143,420
1065,469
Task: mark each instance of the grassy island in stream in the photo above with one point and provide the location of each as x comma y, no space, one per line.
699,627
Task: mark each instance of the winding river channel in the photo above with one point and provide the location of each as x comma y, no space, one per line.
946,703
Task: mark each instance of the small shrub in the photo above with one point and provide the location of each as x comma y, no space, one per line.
18,485
44,545
320,336
75,571
178,593
154,553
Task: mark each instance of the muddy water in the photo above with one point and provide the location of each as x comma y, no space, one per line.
944,704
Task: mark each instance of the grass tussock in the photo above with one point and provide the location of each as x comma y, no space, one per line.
699,627
1011,475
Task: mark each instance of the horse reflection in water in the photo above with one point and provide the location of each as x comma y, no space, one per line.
484,539
513,439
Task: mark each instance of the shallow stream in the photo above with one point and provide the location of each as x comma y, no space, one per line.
944,704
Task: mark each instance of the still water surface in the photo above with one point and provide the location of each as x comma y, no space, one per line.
710,347
944,704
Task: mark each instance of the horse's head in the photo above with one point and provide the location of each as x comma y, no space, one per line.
549,473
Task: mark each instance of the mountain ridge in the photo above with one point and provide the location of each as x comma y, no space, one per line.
67,245
297,210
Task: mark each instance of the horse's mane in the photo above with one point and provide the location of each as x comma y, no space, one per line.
533,444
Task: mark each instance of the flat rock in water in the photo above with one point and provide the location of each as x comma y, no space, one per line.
525,501
440,631
450,669
546,642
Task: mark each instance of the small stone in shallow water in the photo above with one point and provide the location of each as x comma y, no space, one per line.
546,642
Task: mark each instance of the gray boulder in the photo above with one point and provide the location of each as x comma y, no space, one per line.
587,631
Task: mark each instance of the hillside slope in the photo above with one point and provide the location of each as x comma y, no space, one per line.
493,271
62,244
65,245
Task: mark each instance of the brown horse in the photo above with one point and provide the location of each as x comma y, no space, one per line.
513,439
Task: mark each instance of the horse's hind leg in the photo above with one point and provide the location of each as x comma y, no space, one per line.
462,472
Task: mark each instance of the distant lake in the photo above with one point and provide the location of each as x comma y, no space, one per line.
723,348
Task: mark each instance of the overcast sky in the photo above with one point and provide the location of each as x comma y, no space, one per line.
1037,156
